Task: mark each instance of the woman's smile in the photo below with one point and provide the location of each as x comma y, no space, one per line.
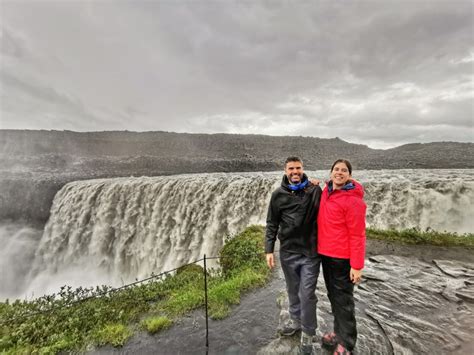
340,175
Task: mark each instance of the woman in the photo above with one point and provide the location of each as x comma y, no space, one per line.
341,244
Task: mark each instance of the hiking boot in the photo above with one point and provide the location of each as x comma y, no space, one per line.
306,344
290,327
341,350
329,340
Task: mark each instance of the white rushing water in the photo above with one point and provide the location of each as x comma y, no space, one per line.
16,255
116,230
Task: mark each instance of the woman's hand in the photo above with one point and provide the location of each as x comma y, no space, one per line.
356,276
314,181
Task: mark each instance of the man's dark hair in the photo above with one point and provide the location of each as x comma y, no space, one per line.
289,159
348,164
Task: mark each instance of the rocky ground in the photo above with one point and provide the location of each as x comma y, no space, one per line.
413,300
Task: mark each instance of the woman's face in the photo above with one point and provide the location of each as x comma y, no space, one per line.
340,175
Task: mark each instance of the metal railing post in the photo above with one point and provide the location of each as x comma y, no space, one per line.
205,300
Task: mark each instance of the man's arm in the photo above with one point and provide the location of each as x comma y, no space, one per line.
270,260
273,222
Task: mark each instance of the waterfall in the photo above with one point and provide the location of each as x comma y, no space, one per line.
441,200
117,230
122,229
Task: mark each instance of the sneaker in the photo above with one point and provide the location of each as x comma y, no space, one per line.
341,350
329,340
306,344
290,327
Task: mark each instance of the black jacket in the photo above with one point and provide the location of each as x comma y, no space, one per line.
292,216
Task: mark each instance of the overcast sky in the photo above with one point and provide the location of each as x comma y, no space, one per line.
380,73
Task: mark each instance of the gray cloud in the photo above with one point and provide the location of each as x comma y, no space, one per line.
10,46
25,103
377,73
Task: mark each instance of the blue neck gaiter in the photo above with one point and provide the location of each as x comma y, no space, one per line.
297,187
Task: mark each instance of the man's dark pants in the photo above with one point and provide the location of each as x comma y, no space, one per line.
301,274
340,292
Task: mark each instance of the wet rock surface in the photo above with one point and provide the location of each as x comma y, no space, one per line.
404,306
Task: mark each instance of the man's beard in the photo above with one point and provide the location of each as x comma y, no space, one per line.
295,182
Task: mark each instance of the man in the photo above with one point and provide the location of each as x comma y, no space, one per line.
292,216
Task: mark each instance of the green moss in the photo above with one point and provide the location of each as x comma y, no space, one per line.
228,291
113,334
429,237
155,324
191,268
243,251
60,345
183,301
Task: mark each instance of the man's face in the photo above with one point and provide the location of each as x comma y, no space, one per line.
294,172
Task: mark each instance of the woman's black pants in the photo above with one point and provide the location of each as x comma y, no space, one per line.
340,292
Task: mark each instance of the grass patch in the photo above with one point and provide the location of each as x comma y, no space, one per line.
113,334
222,295
244,251
415,236
183,301
58,323
155,324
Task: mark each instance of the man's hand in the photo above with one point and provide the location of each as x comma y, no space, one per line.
270,260
356,275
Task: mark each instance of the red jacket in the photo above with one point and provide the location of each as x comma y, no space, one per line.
341,223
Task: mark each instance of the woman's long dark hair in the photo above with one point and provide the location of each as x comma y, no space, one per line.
347,162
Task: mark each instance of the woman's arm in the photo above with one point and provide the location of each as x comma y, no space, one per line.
355,222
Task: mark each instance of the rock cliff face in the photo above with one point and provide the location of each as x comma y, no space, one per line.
155,152
34,165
